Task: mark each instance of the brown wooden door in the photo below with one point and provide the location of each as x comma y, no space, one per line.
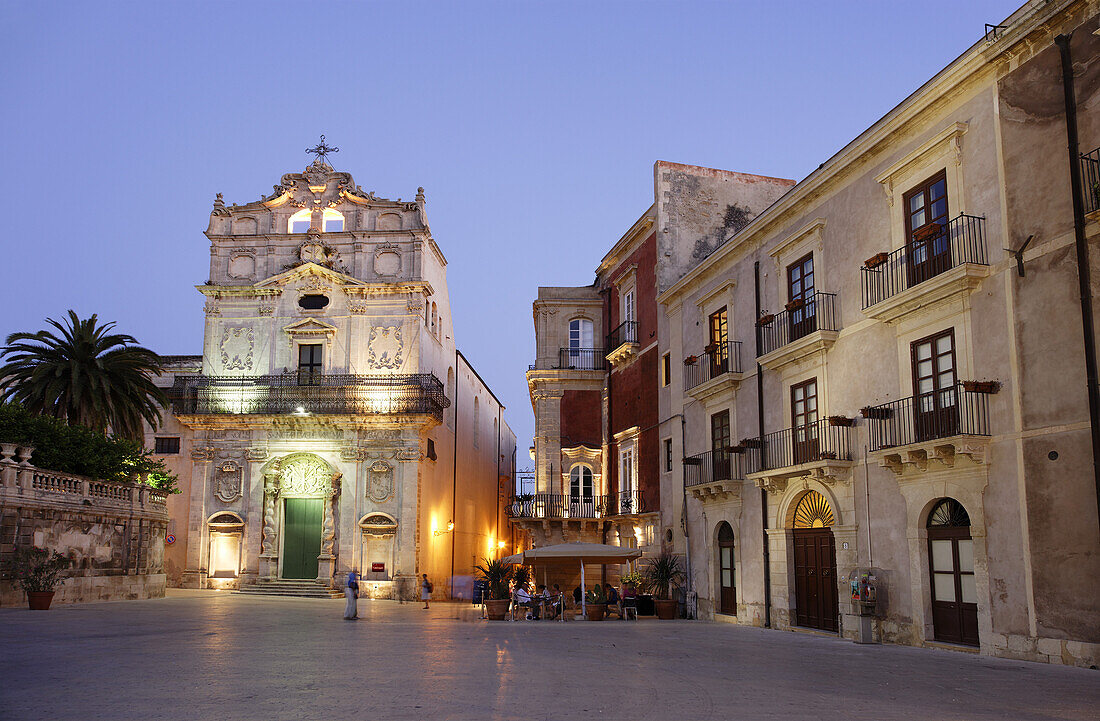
727,600
801,320
951,564
935,393
815,579
929,245
804,431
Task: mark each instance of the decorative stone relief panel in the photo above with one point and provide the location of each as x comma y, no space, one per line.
387,259
384,347
306,476
237,346
380,482
227,482
242,265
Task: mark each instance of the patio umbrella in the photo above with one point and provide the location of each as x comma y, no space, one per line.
569,553
514,559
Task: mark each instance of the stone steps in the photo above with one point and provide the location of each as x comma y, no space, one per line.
296,589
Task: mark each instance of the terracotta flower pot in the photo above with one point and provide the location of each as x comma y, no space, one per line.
765,319
666,609
876,260
497,609
595,611
40,600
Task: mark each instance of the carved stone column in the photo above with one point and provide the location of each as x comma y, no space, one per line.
269,543
326,562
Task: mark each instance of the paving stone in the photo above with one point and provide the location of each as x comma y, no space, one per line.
219,655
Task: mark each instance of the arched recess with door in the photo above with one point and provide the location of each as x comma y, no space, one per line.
952,574
726,601
815,577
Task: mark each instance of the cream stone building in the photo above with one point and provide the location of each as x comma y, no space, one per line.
913,392
330,423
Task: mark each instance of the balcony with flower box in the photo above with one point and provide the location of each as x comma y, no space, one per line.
804,327
715,475
820,450
934,431
715,371
940,262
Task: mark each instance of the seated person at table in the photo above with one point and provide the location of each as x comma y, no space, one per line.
613,601
577,595
523,598
630,597
542,599
555,601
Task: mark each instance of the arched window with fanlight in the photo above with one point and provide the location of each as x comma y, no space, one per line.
581,493
951,564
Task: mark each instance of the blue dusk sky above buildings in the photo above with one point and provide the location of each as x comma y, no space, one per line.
533,127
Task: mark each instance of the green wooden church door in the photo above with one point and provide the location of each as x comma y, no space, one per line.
302,539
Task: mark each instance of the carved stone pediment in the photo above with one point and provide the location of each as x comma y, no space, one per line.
729,490
828,471
308,328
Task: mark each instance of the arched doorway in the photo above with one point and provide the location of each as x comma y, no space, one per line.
815,583
727,594
951,563
306,486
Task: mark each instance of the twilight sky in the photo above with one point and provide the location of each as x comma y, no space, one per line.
533,127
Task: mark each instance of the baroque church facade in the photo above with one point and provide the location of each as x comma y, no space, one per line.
330,424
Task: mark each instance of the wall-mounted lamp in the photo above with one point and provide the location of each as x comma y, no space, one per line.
450,527
501,544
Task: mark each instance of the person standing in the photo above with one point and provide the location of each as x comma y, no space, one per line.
426,590
351,593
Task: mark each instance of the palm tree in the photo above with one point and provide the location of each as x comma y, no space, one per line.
85,375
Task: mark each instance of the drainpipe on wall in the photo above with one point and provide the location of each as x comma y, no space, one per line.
454,477
760,434
1083,267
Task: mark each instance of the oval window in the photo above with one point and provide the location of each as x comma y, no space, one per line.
313,302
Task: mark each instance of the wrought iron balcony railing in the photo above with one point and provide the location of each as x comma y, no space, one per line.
931,251
817,441
1090,180
717,360
626,332
625,503
581,359
309,393
813,314
714,466
952,411
556,505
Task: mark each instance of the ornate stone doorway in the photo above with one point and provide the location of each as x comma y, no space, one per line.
299,530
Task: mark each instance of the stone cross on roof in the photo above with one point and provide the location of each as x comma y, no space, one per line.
321,150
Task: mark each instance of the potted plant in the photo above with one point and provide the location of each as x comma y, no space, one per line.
751,443
1096,195
827,455
876,260
795,304
595,604
38,573
928,231
765,319
981,386
524,501
661,572
691,360
495,574
877,413
843,421
738,449
711,348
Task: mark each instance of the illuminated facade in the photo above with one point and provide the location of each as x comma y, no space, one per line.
318,431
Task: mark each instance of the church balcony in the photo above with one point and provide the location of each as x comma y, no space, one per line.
309,393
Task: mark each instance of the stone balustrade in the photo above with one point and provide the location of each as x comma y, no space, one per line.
112,531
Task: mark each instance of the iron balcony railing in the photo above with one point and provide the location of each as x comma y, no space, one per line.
813,314
930,251
300,394
581,359
625,503
952,411
817,441
1090,180
717,360
627,332
556,505
713,466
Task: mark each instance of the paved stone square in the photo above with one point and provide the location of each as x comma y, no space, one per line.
216,655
